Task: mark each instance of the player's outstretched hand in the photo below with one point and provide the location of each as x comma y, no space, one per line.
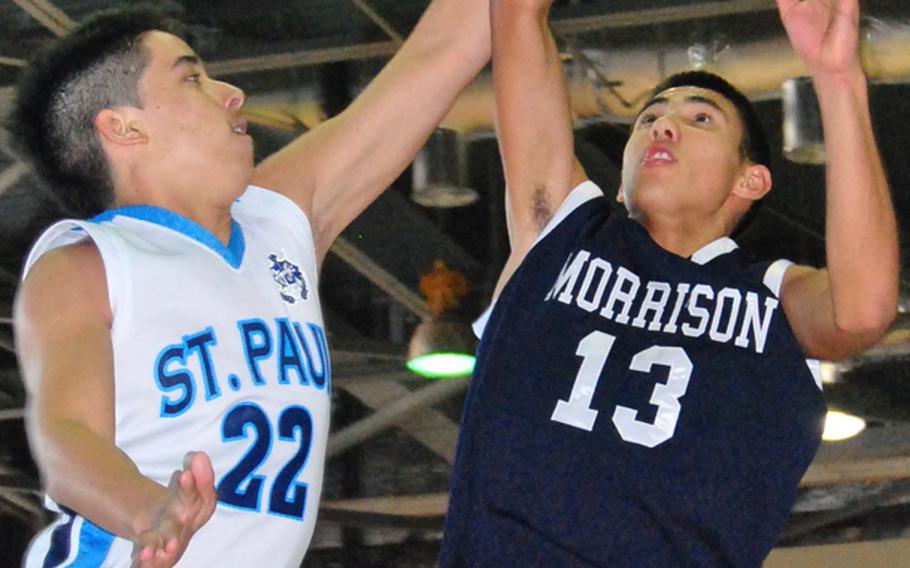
189,504
824,33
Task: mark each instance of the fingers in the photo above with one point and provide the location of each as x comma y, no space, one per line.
160,547
197,484
204,474
196,490
190,504
149,543
153,551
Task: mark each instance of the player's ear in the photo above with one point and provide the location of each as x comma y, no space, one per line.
754,182
118,127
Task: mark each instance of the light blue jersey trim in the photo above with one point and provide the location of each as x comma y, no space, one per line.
94,544
232,254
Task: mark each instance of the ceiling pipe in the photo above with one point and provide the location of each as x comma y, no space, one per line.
392,413
889,493
614,83
610,85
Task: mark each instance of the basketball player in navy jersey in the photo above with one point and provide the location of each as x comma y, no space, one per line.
121,112
642,395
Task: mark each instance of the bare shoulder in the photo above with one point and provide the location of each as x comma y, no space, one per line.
66,285
62,324
807,300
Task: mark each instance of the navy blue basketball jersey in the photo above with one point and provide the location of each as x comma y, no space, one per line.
630,407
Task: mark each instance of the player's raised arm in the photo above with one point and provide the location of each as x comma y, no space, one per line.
341,166
845,308
533,120
63,336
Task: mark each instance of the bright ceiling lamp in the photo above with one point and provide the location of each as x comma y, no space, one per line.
442,345
841,426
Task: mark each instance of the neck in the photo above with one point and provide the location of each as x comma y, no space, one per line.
206,210
684,237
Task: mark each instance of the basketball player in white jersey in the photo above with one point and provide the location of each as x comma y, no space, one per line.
173,344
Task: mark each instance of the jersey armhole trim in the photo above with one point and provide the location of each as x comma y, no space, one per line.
774,276
583,192
481,322
815,368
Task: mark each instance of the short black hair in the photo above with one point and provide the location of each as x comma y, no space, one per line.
754,144
97,65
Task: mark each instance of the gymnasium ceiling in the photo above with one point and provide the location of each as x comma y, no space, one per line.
302,60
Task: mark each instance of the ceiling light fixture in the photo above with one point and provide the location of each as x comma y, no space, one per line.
443,344
841,426
804,141
439,172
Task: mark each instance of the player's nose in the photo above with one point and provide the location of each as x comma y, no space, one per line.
231,97
664,128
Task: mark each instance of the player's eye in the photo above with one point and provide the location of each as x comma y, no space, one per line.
647,118
703,118
194,78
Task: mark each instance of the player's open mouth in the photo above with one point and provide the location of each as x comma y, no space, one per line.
658,155
240,127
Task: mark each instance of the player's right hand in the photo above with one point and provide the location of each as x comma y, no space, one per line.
189,503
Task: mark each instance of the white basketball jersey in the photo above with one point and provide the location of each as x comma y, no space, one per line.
220,349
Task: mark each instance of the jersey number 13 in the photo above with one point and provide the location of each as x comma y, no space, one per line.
594,350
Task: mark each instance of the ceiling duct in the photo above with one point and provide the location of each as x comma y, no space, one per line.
440,172
611,84
804,141
615,82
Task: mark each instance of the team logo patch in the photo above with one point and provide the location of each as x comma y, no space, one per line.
292,284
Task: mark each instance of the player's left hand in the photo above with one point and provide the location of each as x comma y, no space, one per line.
824,33
189,504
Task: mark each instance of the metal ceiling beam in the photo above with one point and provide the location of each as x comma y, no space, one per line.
651,16
414,512
862,504
7,96
13,479
12,61
11,175
377,19
566,26
429,427
856,470
6,138
50,16
27,509
381,277
302,58
12,414
392,413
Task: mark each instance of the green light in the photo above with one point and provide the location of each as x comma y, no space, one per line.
442,365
